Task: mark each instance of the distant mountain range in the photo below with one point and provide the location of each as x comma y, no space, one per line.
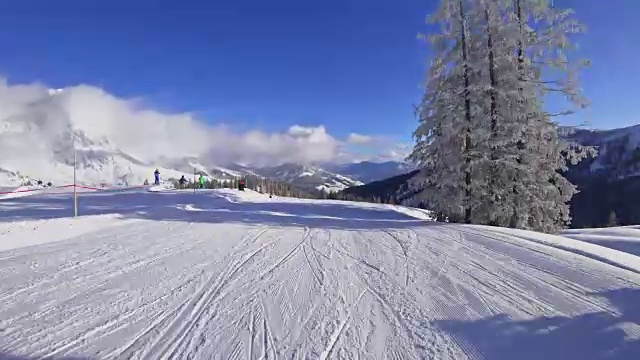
324,177
38,142
368,171
101,161
309,177
618,153
99,165
608,183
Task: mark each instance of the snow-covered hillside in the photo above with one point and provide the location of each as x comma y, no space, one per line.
618,151
228,274
367,171
308,177
40,130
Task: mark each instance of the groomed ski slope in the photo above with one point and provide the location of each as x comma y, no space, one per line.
230,275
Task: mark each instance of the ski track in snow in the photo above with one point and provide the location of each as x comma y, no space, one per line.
191,286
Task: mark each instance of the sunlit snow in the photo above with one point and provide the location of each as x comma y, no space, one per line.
226,274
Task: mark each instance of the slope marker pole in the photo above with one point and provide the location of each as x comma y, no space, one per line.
75,193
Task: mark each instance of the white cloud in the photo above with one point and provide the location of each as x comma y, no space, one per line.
298,144
375,148
398,152
359,139
33,120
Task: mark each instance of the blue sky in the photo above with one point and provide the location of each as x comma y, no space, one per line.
350,65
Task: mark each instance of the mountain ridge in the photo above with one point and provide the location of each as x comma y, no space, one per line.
100,161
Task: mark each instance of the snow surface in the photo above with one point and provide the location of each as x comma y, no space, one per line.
220,274
623,238
618,258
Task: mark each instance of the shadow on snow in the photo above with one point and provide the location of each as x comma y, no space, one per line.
631,247
208,207
589,336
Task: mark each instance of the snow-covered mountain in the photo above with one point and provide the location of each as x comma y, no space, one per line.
610,183
618,152
368,171
191,164
306,177
41,130
98,161
326,176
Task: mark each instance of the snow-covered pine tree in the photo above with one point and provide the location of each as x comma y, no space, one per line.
543,42
495,131
489,153
501,111
446,136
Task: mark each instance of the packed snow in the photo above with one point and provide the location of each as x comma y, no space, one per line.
221,274
623,238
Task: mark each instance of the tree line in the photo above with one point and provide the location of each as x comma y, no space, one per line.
252,182
346,196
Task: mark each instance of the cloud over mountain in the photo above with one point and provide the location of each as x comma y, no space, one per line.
37,124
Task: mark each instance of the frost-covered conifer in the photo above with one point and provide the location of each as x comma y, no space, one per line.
445,144
489,151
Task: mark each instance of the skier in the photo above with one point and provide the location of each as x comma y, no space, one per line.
201,181
156,174
182,182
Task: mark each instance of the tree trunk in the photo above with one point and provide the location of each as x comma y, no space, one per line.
494,112
520,144
467,108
